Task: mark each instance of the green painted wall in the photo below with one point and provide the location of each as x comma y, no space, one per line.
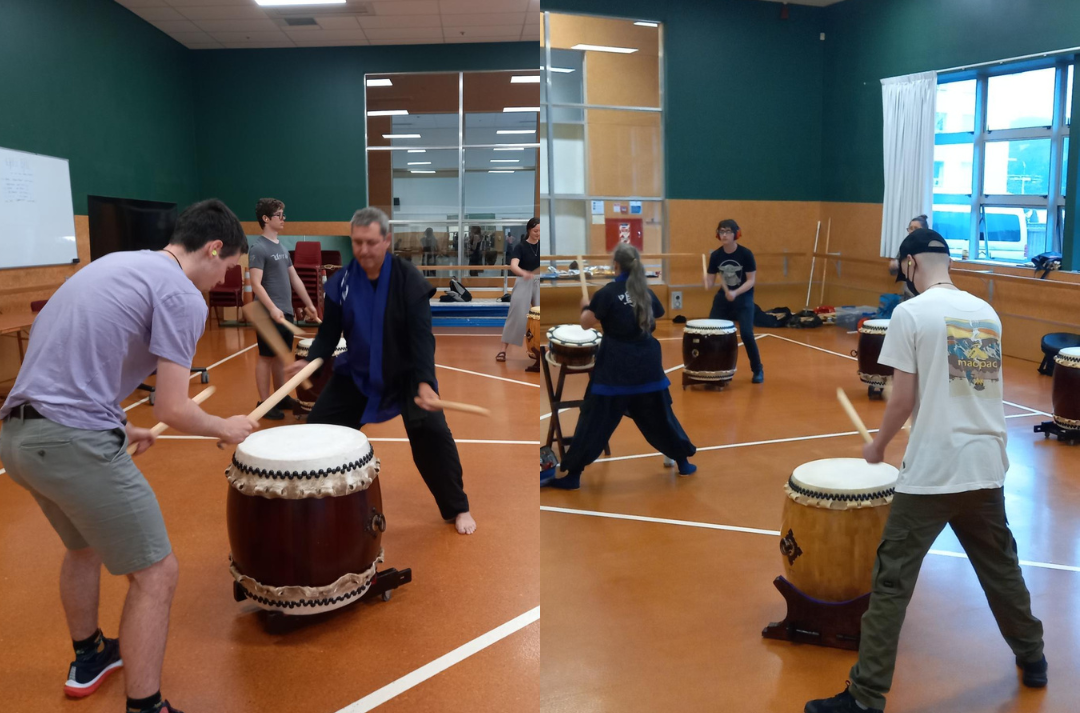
89,81
304,143
867,40
743,92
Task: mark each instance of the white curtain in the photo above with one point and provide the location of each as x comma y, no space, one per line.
908,106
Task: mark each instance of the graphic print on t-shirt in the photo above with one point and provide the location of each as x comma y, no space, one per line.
974,357
730,270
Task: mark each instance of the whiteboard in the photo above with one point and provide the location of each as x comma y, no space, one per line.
37,220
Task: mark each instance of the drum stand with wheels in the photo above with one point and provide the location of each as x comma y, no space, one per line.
1065,435
555,434
812,621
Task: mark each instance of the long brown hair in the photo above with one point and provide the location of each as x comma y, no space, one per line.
628,259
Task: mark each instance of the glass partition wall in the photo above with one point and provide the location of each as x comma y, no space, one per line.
452,158
602,134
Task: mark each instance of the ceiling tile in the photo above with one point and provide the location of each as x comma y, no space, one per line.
142,3
204,3
472,40
188,38
337,23
227,12
487,19
381,23
405,42
406,7
505,31
230,38
171,26
157,14
330,43
258,44
210,46
479,7
415,33
265,24
329,35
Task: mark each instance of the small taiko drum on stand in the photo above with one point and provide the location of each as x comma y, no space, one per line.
572,347
305,520
710,352
306,398
874,375
1066,397
532,334
834,515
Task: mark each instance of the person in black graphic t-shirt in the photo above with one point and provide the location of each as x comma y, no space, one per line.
737,269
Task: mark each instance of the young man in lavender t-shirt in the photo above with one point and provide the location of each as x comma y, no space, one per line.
64,434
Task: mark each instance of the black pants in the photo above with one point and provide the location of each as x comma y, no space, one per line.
741,312
600,416
434,451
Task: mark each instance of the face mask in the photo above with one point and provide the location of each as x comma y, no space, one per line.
907,278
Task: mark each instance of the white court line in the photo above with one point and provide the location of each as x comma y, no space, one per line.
396,688
741,445
674,368
548,415
756,531
488,376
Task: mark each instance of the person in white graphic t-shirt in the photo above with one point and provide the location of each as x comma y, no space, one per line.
945,348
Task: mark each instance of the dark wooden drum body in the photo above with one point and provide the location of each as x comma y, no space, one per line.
710,350
306,398
871,338
1066,395
572,347
532,334
305,531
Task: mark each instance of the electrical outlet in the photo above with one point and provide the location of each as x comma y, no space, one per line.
676,300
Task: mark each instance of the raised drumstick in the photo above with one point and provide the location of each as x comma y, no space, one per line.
257,315
843,399
464,408
705,271
281,393
581,276
160,427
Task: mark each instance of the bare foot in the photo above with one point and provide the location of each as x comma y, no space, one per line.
465,524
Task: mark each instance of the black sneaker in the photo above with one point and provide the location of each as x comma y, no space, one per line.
1034,673
759,376
840,703
288,404
274,414
162,707
86,675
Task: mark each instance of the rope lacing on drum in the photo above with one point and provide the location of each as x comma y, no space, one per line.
842,497
306,474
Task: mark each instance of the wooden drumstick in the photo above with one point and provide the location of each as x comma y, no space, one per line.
160,427
281,393
581,276
842,397
704,271
291,327
464,408
257,315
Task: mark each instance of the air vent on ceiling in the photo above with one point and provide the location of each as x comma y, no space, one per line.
359,9
301,22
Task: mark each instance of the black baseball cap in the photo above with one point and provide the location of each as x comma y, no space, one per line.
922,240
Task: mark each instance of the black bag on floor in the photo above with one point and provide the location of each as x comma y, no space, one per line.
776,317
806,319
456,288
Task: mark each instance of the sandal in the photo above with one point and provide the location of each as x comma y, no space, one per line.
501,356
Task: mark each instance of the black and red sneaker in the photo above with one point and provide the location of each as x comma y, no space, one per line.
86,674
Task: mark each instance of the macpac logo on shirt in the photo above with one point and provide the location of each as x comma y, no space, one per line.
974,350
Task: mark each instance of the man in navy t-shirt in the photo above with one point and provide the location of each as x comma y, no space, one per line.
734,302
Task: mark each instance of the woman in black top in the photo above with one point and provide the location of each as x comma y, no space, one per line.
526,292
628,377
735,300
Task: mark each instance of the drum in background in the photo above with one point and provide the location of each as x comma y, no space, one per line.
710,351
306,398
572,347
305,517
532,333
871,337
1066,394
834,515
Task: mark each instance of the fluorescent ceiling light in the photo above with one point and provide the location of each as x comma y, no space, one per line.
605,48
520,109
414,171
517,149
286,3
379,83
506,160
419,163
401,136
525,79
500,171
516,131
559,70
642,23
417,150
389,112
534,146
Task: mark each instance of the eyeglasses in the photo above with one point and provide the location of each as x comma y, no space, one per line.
725,231
278,215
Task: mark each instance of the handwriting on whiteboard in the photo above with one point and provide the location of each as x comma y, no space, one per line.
16,181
